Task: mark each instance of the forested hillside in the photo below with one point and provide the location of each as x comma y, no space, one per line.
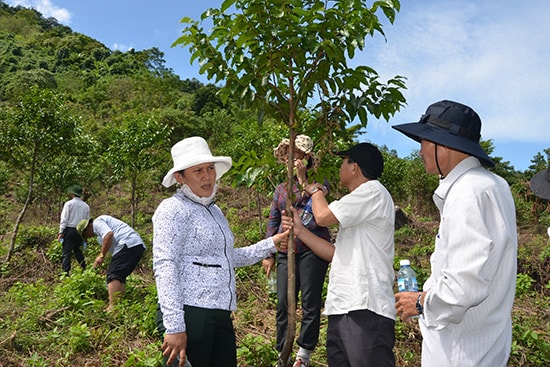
74,111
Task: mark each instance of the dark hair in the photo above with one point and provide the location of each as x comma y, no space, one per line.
309,162
362,170
367,157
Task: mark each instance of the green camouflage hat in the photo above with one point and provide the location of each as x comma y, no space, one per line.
81,226
75,190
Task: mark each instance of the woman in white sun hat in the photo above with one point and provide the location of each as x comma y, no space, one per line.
194,261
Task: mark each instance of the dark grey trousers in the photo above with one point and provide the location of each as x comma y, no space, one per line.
72,243
310,277
360,339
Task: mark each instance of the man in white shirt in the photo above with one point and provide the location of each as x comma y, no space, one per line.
73,212
122,242
360,303
466,303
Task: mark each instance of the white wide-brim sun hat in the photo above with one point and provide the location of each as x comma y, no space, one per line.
190,152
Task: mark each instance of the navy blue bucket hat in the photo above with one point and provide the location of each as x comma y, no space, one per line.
451,124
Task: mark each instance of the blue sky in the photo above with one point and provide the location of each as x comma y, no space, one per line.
491,55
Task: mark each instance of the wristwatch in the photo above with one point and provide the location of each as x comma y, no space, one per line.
419,307
317,188
314,190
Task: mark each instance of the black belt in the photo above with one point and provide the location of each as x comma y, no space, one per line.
207,265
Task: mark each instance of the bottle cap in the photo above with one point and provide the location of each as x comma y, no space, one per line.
404,262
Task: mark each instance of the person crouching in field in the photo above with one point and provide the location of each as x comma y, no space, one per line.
123,242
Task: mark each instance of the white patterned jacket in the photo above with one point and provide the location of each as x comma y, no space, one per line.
194,258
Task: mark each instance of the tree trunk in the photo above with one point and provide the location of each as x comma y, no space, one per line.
23,211
259,206
291,258
133,200
16,226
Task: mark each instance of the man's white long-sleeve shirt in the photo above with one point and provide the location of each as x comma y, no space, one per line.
73,212
470,292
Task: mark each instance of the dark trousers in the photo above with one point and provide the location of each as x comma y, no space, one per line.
211,338
360,339
310,277
72,242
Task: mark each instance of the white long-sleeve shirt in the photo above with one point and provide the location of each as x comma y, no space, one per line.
194,258
470,292
73,212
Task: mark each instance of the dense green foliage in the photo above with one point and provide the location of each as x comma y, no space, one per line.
106,120
281,56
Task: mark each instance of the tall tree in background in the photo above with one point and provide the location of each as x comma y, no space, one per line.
137,147
539,162
37,128
277,57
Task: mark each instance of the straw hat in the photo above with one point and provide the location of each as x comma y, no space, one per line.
190,152
303,143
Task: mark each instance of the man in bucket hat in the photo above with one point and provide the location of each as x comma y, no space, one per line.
73,212
466,303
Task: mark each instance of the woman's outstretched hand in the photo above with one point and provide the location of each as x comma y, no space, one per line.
281,240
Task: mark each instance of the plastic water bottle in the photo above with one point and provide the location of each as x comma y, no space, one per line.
307,214
272,282
406,277
306,217
176,363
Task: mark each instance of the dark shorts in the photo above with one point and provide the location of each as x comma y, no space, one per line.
124,262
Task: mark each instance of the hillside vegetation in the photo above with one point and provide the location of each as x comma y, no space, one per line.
74,111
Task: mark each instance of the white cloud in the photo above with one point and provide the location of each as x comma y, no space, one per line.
46,8
490,55
121,47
